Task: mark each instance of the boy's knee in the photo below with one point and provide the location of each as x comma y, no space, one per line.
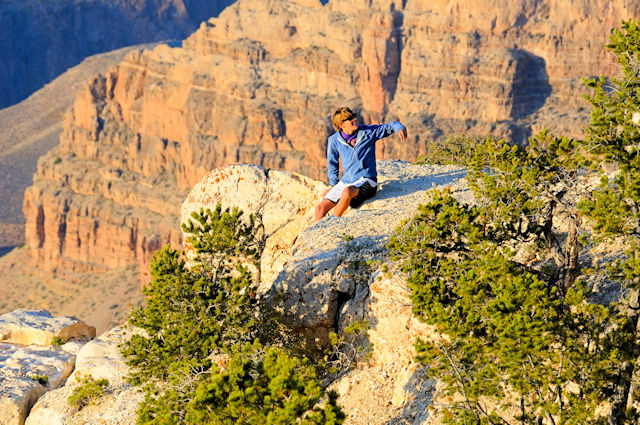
324,206
350,191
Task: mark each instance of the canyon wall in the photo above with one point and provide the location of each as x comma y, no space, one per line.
259,83
41,39
31,128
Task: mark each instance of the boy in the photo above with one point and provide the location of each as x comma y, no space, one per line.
356,146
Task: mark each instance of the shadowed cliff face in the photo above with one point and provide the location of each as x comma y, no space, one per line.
41,39
531,87
258,84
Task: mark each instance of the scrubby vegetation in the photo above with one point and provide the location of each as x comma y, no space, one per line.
41,379
57,341
213,352
263,386
87,390
450,150
510,280
348,350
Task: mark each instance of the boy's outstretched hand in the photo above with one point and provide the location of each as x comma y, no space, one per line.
403,134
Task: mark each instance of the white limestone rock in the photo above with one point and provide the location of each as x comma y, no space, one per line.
99,358
117,407
284,201
19,366
327,279
38,327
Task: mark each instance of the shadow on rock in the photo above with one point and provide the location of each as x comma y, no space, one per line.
6,249
419,396
391,188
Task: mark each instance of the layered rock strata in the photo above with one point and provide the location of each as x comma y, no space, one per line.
31,128
258,83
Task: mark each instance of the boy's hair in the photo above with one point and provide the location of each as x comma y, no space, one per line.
340,116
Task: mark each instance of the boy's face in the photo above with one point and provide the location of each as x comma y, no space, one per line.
350,125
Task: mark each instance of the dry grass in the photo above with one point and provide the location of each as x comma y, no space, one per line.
102,301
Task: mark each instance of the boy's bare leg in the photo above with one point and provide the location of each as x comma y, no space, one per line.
323,208
348,194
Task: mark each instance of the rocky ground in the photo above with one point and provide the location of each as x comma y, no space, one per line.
312,262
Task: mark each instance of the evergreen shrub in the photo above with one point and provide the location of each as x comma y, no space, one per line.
508,280
451,150
207,307
87,391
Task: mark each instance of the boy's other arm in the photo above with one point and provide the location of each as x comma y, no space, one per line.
333,167
389,128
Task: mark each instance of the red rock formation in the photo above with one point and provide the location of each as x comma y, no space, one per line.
259,83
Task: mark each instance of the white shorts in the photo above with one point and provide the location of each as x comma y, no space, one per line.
336,191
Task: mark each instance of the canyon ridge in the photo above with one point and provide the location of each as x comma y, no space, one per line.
258,83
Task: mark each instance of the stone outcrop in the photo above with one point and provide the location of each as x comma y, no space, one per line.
323,273
258,83
26,327
100,359
41,39
328,277
29,365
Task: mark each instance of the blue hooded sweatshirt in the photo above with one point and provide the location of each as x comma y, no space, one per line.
358,161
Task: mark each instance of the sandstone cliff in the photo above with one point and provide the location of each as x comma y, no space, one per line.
312,266
258,83
41,39
31,128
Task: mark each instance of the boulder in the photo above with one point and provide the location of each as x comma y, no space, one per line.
283,201
100,359
28,372
25,374
29,365
39,327
326,282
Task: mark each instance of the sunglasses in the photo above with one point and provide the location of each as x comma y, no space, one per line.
350,118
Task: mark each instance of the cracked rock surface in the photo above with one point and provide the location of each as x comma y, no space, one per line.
29,364
321,271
